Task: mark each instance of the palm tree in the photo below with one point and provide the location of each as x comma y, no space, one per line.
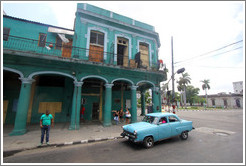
206,86
183,81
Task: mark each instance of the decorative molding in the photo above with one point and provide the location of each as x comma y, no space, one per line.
14,71
111,29
122,79
94,76
109,85
155,89
119,29
150,50
78,84
134,87
129,44
146,81
26,80
51,72
89,36
116,21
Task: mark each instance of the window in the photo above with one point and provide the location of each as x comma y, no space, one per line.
97,38
6,34
58,43
163,120
42,40
213,102
172,119
150,119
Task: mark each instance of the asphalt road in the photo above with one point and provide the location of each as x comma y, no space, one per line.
218,138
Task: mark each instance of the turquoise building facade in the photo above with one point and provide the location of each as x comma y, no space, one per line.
101,64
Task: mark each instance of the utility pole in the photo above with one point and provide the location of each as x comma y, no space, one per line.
173,95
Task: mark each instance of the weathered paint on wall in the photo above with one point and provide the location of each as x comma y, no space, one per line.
33,62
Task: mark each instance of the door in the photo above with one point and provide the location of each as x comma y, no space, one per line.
95,111
174,125
164,129
144,50
96,53
67,49
122,52
5,108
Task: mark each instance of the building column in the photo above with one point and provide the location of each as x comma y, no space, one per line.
76,104
108,105
155,99
22,108
143,103
134,104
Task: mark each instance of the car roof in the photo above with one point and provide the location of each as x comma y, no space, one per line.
158,114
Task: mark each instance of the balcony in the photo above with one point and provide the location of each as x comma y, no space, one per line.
67,51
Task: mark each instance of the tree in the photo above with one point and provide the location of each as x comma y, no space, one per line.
191,93
147,99
206,86
183,81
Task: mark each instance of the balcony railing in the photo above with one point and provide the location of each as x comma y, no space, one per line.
67,51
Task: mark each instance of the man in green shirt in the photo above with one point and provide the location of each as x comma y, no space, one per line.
45,121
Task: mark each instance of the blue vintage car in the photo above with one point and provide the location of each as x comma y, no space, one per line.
156,127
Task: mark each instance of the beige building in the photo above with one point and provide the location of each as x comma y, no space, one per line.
231,100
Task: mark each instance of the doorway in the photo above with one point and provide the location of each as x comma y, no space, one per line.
144,50
238,103
122,52
67,49
95,111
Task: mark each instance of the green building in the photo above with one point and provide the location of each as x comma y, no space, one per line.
100,64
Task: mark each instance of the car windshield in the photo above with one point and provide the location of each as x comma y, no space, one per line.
150,119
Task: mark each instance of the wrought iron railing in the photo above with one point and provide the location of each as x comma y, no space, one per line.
65,51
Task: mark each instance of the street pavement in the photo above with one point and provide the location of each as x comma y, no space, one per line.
61,136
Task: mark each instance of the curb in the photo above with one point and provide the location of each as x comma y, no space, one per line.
12,152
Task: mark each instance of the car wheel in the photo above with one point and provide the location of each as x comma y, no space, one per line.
148,142
184,135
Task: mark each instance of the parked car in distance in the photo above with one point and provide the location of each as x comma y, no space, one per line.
156,127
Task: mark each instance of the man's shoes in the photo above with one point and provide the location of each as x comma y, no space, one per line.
47,143
40,144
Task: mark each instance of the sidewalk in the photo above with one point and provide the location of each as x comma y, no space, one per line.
59,135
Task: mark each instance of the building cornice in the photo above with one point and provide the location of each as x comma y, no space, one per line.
119,22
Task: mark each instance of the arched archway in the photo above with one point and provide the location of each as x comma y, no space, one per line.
52,90
14,71
123,79
11,93
51,73
94,76
92,97
149,97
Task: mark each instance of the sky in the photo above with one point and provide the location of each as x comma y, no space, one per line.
208,36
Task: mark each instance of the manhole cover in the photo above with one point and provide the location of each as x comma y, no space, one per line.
221,133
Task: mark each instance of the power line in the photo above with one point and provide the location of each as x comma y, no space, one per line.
209,52
216,54
231,67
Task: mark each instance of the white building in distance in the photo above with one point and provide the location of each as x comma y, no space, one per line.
238,87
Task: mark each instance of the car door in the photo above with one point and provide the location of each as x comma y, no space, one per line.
164,129
174,123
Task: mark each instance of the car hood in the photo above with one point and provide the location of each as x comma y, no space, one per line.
136,126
